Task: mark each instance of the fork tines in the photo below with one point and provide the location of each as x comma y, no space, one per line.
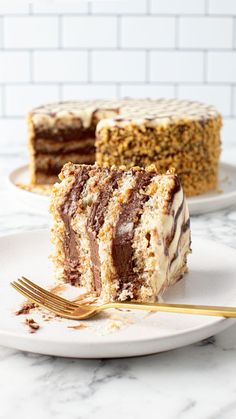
43,298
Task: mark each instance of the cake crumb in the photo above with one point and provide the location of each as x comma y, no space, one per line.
226,179
121,319
25,308
38,189
78,326
116,322
85,299
113,325
48,317
32,324
58,288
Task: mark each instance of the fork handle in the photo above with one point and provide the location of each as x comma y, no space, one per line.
178,308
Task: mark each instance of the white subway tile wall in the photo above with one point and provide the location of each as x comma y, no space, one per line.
176,66
89,91
205,32
118,66
59,66
28,96
221,67
14,67
62,8
119,7
26,32
147,32
89,32
178,7
151,90
105,49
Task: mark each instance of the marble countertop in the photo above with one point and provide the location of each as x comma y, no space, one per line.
194,382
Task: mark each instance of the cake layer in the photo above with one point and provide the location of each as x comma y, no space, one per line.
44,180
122,233
49,165
53,146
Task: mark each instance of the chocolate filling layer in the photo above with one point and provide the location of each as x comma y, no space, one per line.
56,168
89,149
96,221
65,134
123,233
170,238
68,211
174,191
185,226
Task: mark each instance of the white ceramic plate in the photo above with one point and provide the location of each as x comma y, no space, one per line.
201,204
211,280
214,201
35,201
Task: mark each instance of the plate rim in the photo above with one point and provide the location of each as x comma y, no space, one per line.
192,201
197,199
14,187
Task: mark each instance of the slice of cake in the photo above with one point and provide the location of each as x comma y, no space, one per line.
122,233
165,132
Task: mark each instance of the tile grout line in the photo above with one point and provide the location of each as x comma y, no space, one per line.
108,15
234,33
118,90
60,31
129,49
176,90
89,8
3,101
2,33
232,110
30,9
114,82
60,91
118,32
205,66
176,33
147,69
31,66
89,64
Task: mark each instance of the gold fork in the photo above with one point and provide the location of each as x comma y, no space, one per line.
72,310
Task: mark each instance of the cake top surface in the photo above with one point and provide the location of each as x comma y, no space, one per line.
122,112
71,169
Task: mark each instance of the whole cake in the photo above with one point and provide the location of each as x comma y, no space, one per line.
167,132
123,233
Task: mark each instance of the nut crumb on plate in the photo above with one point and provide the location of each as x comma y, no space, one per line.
32,324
